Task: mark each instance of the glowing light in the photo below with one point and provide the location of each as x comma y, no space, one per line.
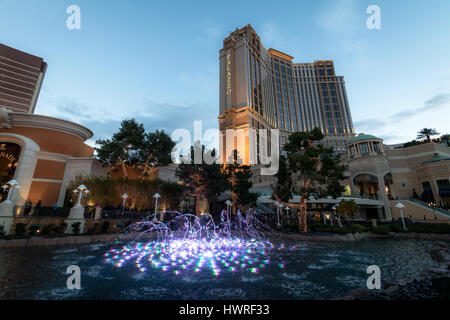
196,246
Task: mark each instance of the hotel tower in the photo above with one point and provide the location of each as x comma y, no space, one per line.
21,76
265,89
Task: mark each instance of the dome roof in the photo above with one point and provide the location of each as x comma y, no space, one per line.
362,136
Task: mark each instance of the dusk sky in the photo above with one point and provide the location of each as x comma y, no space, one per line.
158,61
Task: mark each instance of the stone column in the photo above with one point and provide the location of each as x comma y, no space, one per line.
384,198
6,216
98,213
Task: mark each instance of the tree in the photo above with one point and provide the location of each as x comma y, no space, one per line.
283,189
427,133
347,208
171,193
238,176
101,189
318,169
412,143
156,151
131,146
203,180
124,146
445,138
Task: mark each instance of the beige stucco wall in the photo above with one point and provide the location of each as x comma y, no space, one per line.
416,212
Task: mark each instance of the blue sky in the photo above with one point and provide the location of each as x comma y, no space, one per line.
157,61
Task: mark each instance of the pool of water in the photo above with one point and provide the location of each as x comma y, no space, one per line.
302,270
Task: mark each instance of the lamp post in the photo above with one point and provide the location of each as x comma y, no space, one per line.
330,218
287,211
12,184
229,205
401,206
279,207
432,205
182,206
80,190
124,197
338,217
156,196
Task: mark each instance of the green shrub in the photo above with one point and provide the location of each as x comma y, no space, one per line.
32,230
105,226
61,229
395,228
383,229
340,230
429,227
76,228
48,229
20,229
357,228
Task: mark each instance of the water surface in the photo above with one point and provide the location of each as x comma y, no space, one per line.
303,270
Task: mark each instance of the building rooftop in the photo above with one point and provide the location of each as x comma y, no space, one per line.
362,136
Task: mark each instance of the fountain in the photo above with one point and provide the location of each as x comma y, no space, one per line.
187,242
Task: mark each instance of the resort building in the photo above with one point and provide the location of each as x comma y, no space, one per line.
21,76
43,154
417,176
265,89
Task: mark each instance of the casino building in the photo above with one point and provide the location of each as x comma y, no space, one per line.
41,153
265,89
21,76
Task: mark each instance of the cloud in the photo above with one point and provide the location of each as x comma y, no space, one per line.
339,17
343,21
154,115
437,101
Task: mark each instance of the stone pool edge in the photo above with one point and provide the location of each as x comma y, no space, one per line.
70,240
393,289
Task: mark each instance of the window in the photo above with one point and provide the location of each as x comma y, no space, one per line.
364,148
443,184
376,147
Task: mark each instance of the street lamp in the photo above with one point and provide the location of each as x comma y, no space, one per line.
330,218
124,197
156,196
12,184
401,206
229,205
80,190
338,218
182,206
287,211
279,207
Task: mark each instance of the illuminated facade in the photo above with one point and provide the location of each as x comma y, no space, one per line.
264,89
21,76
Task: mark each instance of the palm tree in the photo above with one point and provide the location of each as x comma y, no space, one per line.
426,133
446,138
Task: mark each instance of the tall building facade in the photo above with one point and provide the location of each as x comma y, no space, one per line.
21,76
265,89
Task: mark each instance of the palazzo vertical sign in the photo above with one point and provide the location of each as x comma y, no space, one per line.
228,73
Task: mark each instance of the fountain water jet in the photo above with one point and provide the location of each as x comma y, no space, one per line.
187,242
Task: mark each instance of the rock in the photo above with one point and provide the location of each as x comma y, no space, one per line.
438,271
440,255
